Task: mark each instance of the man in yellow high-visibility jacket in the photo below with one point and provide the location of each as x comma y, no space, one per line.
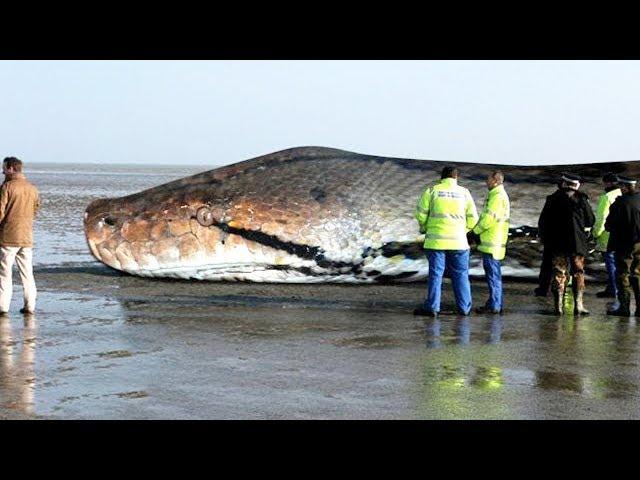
611,192
493,228
445,213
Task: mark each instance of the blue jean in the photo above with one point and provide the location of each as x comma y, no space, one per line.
493,274
610,263
457,264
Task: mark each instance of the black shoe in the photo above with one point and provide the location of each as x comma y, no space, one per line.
424,313
485,309
606,294
463,314
539,292
619,312
26,312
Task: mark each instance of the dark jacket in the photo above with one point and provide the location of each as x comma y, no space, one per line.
623,223
563,221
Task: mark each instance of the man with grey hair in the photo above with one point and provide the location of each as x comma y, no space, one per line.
19,201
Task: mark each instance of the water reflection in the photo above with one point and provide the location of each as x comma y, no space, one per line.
461,332
17,358
432,333
565,330
458,388
588,357
548,330
497,368
494,327
562,381
621,382
462,375
487,378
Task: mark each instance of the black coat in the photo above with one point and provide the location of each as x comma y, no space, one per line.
562,223
624,223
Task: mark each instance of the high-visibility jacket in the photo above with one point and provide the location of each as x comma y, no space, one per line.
604,203
493,226
446,213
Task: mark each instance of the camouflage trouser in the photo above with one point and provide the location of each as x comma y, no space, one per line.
561,265
628,276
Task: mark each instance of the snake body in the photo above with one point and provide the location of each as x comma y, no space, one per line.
307,214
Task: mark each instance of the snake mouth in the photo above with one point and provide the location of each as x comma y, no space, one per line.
145,241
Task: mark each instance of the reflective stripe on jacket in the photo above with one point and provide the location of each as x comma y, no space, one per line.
604,204
446,213
493,226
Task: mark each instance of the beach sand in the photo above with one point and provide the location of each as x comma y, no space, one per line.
105,346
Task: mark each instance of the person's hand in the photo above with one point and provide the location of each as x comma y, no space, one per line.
473,238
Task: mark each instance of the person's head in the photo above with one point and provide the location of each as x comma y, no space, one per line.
627,185
494,179
609,180
449,172
569,182
11,165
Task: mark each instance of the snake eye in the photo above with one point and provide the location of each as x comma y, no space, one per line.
109,221
205,217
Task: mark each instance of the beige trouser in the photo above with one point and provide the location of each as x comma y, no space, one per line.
23,257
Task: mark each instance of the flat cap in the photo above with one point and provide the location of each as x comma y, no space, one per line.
626,180
569,177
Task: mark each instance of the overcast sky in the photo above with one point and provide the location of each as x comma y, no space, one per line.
220,112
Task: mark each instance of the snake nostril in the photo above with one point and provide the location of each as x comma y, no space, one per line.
109,221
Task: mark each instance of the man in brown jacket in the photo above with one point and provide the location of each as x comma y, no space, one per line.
19,201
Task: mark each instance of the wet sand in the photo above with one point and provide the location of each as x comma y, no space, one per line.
108,346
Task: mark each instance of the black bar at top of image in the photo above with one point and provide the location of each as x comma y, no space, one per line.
317,31
314,39
159,51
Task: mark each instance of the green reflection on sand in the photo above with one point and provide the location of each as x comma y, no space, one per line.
469,372
461,374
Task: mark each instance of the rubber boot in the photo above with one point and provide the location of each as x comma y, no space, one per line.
635,286
579,305
558,299
624,300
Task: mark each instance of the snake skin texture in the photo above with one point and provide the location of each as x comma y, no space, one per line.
307,214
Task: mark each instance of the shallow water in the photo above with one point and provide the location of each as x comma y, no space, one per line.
67,189
106,345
